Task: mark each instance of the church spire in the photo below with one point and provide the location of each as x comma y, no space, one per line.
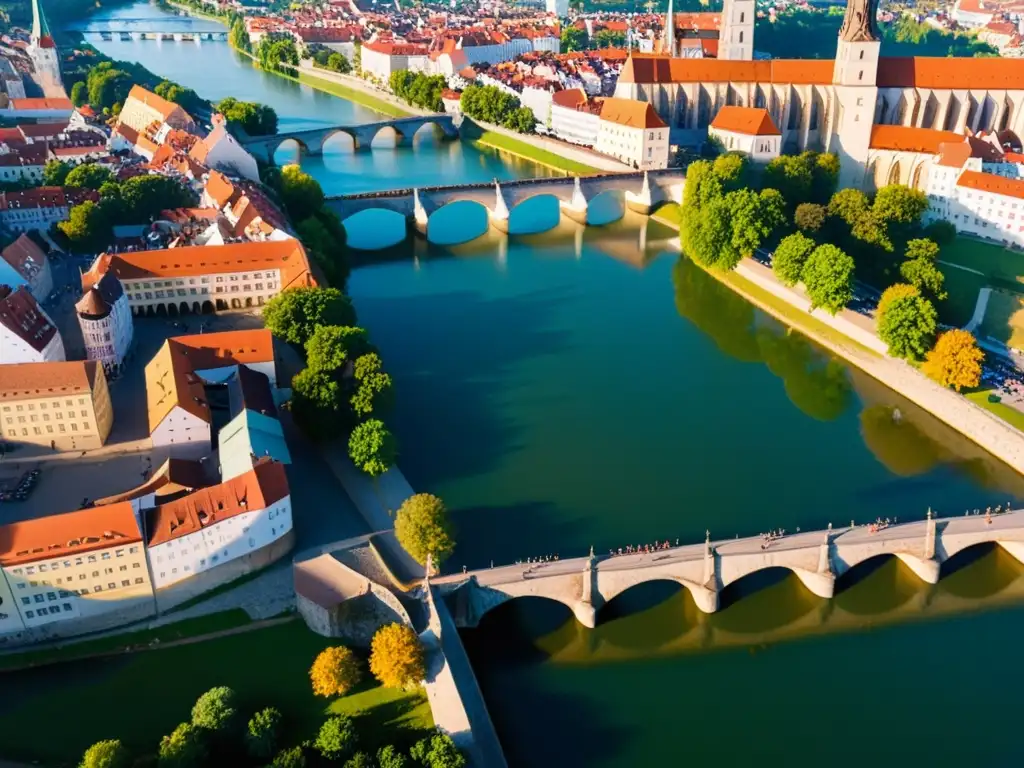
668,37
860,24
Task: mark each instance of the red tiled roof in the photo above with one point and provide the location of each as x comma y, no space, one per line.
752,121
257,489
25,256
72,533
630,113
22,316
947,73
42,104
990,182
902,138
662,69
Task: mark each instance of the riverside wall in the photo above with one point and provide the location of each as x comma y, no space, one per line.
974,422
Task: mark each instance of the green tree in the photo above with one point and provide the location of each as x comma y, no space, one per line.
573,39
262,733
437,751
849,205
88,175
337,738
790,175
940,232
922,248
607,38
899,208
300,192
79,95
254,118
828,277
184,748
324,239
106,754
372,447
790,256
86,227
374,386
295,314
895,291
422,528
55,172
520,120
238,37
326,350
216,710
824,173
390,757
339,63
360,760
907,325
318,403
809,217
955,360
925,276
731,170
143,197
290,758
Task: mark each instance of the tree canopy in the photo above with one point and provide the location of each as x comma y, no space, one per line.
300,192
417,88
254,118
372,447
106,754
294,315
790,256
216,710
397,658
262,733
955,360
337,738
88,175
828,277
335,672
423,528
573,39
907,323
810,217
493,105
183,748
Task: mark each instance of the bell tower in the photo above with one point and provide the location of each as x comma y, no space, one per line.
736,35
854,83
668,35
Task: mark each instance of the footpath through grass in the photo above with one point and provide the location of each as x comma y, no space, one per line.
180,630
530,152
140,697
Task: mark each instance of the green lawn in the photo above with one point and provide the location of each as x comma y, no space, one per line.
214,622
52,714
989,258
353,94
530,152
1011,416
963,288
670,214
1004,318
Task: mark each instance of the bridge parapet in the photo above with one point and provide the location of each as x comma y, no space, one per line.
817,558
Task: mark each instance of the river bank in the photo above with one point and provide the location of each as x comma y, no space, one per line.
757,284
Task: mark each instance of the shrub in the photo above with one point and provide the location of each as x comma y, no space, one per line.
335,672
262,732
397,658
106,754
215,710
337,737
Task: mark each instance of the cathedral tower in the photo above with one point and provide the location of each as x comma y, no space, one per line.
668,35
854,81
736,36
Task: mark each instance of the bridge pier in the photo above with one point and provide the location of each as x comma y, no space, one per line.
641,202
1014,548
926,570
498,215
585,613
576,208
819,584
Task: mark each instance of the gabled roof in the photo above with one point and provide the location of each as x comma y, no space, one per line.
220,189
161,105
72,533
630,113
25,256
263,486
752,121
29,381
21,314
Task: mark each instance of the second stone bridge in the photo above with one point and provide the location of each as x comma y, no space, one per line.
817,558
642,191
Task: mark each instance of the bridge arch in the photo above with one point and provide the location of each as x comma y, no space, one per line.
818,584
386,137
288,150
373,229
458,222
924,568
606,207
341,141
430,132
534,214
489,599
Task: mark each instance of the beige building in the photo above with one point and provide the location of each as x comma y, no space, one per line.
748,130
196,278
143,108
64,405
632,132
73,573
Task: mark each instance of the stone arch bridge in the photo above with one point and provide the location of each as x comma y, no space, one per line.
312,140
643,192
817,558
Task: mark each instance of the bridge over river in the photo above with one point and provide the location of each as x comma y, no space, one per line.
643,191
817,558
312,140
171,28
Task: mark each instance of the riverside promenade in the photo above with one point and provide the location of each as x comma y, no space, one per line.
818,558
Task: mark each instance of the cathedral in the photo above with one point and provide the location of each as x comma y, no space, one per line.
866,108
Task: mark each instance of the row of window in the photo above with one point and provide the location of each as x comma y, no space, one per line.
56,564
205,280
181,292
49,430
59,416
42,406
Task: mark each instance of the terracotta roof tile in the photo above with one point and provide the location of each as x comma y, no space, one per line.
946,73
630,113
752,121
21,314
990,182
25,381
68,534
662,69
906,139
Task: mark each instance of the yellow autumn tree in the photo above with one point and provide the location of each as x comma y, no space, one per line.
397,657
955,360
335,672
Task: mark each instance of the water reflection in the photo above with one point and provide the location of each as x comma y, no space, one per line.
636,626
